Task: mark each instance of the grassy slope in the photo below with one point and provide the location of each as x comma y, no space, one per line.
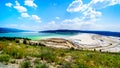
64,58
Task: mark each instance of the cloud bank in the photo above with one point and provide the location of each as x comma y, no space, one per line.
24,11
30,3
90,12
90,15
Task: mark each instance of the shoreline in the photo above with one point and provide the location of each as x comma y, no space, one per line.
87,42
97,42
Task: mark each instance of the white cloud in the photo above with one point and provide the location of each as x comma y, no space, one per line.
89,12
99,4
89,17
74,20
76,6
52,25
30,3
25,15
57,18
31,17
73,24
52,22
23,10
19,7
9,4
78,23
35,18
17,3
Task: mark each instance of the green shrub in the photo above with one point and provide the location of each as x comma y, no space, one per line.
25,41
37,61
1,47
12,61
66,65
41,65
32,51
48,56
38,64
4,58
81,65
15,51
25,64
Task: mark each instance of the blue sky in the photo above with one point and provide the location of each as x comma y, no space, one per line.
61,14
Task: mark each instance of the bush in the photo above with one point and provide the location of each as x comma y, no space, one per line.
25,64
15,51
1,47
4,58
48,56
37,61
12,61
25,41
41,65
82,65
66,65
38,64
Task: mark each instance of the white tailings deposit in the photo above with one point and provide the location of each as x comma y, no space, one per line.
98,42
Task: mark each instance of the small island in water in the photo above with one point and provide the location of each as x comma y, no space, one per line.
59,49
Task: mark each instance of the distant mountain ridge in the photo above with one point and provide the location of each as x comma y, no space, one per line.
7,30
106,33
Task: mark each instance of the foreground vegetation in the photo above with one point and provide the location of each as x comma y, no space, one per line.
45,57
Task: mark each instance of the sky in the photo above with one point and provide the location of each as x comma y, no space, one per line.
38,15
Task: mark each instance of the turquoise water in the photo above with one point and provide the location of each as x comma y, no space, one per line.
35,35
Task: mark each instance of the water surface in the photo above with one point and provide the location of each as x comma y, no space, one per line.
35,35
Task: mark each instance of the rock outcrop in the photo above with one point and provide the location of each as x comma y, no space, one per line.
57,43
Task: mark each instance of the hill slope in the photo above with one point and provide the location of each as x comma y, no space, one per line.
7,30
106,33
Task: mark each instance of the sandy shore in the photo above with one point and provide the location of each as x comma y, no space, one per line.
98,42
85,41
